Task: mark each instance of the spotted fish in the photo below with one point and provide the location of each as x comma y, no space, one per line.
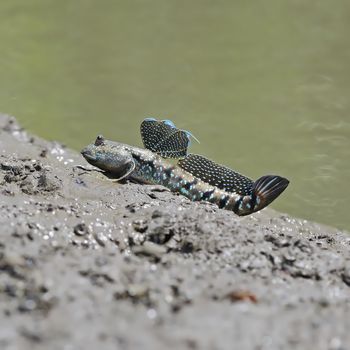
194,176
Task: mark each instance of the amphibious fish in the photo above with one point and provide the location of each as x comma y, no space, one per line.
194,176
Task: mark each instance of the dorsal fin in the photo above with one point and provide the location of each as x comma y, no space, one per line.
163,138
216,174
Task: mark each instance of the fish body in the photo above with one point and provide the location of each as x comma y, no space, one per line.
144,165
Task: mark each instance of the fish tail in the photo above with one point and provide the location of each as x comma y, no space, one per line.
266,189
263,192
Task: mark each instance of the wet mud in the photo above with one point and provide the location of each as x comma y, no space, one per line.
88,263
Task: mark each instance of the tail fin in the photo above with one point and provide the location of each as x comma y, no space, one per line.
267,188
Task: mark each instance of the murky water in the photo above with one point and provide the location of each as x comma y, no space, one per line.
264,85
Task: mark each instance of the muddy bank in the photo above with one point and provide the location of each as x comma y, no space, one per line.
86,263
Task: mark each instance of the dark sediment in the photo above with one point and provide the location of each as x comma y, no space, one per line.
86,263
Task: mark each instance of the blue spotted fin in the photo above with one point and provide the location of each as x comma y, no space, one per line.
216,175
163,138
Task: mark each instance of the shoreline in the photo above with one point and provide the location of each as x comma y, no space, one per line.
86,262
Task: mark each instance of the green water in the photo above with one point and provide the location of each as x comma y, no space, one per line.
264,85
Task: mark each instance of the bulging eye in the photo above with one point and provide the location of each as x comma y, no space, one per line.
99,140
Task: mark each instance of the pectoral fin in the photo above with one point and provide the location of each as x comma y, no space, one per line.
125,171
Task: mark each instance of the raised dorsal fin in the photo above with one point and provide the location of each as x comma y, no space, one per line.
216,174
163,138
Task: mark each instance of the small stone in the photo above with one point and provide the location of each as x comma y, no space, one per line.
289,258
304,246
140,225
27,305
137,290
100,238
81,229
43,153
48,182
241,295
279,242
151,249
12,167
157,214
28,185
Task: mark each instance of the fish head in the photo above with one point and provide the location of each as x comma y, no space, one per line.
108,156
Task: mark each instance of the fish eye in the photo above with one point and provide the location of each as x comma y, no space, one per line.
99,140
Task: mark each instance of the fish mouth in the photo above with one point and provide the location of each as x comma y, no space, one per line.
86,153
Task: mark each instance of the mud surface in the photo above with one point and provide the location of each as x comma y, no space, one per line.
86,263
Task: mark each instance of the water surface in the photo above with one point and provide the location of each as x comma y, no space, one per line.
264,85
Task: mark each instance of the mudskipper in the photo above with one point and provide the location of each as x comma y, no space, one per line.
194,176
